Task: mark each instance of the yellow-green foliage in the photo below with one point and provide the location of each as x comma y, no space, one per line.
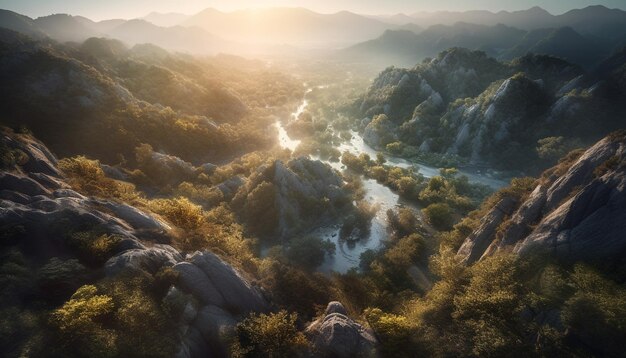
200,194
180,212
94,248
518,190
87,177
442,190
244,165
396,333
260,209
12,157
440,215
295,289
216,230
271,335
225,236
118,318
597,309
145,330
78,322
395,147
405,252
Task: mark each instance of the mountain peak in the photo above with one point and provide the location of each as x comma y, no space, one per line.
537,9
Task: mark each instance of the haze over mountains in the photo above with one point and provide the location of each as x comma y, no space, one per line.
158,199
399,39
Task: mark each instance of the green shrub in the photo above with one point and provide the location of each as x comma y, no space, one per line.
180,212
440,216
79,324
93,248
271,335
395,147
308,252
596,312
87,177
396,333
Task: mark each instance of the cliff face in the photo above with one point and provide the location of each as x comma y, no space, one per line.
576,212
465,104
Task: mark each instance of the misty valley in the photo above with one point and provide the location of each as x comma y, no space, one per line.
279,182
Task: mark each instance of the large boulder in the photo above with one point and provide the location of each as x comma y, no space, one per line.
149,259
337,335
224,296
216,283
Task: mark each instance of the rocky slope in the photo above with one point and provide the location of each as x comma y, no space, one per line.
577,211
68,95
49,224
466,104
288,198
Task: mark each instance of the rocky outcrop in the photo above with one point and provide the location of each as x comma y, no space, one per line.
337,335
39,213
576,213
224,294
481,127
230,186
478,241
463,103
291,197
216,283
379,132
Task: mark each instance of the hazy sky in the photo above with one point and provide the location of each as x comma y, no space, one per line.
106,9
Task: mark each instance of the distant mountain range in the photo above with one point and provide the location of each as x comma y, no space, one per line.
583,36
167,19
406,48
587,21
62,27
296,26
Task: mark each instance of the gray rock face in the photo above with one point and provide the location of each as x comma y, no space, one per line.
379,132
476,244
113,172
575,216
493,117
298,186
335,307
149,259
208,168
21,184
215,326
133,216
34,196
230,187
590,226
40,159
224,294
337,335
217,283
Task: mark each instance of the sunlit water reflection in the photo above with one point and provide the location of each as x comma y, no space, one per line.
348,253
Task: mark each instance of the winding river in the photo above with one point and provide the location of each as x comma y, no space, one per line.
348,253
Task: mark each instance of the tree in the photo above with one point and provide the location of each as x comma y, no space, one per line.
308,252
79,324
440,216
271,335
